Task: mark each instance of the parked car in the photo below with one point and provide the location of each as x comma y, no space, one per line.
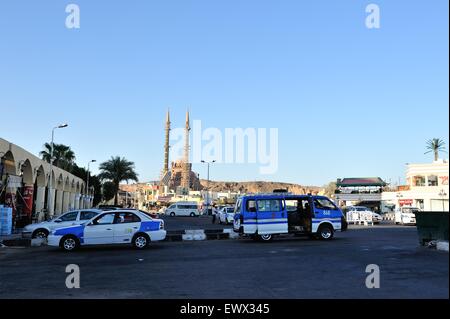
72,218
130,227
226,215
406,215
183,209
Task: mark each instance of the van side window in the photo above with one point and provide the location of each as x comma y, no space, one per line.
271,205
251,206
292,205
323,203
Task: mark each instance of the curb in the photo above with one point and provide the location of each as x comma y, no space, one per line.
201,235
22,242
172,236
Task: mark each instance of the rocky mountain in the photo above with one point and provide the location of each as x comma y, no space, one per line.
259,187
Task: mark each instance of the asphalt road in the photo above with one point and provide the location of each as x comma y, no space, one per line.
291,268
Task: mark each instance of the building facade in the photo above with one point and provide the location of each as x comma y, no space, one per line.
24,185
427,188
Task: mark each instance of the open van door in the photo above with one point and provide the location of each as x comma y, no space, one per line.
271,216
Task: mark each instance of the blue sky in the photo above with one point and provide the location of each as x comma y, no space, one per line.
347,100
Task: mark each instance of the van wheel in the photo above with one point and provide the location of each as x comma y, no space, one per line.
172,214
40,233
69,243
141,241
326,232
265,238
193,215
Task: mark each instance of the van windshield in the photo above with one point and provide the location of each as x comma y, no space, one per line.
324,203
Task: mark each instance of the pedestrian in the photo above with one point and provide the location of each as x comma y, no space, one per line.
214,214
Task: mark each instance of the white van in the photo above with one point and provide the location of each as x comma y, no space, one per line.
183,209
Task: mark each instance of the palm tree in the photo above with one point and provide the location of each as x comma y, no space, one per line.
63,156
435,145
117,170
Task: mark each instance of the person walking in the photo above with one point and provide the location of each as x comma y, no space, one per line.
214,214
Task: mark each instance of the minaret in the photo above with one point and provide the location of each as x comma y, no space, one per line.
167,145
186,176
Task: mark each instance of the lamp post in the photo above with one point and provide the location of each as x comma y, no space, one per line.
443,194
207,193
88,175
51,166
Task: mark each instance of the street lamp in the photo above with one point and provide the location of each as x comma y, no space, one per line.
88,173
207,193
443,194
51,165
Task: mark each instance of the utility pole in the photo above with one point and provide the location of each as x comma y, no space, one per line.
88,173
51,166
207,192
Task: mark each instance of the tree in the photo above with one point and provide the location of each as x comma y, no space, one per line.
63,156
117,170
435,146
94,181
330,189
108,191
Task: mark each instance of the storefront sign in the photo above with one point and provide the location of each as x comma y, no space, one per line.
406,202
28,192
444,180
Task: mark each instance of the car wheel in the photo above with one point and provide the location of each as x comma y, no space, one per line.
326,232
193,215
40,233
265,238
69,243
141,241
172,214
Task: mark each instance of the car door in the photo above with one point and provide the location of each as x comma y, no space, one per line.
127,224
272,217
101,230
66,220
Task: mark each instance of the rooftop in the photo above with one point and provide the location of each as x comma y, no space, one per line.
361,181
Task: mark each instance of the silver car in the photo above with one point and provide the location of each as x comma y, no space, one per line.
72,218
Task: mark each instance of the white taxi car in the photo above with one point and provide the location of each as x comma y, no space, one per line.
226,215
72,218
130,227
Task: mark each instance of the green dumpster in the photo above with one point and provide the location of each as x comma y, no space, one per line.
432,226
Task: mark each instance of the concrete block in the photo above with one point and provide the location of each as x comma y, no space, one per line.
38,242
442,245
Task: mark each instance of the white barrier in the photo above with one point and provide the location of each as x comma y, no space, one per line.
360,218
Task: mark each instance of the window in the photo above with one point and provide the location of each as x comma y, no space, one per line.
238,206
432,180
251,206
87,215
292,205
271,205
107,219
69,217
127,218
324,203
419,181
